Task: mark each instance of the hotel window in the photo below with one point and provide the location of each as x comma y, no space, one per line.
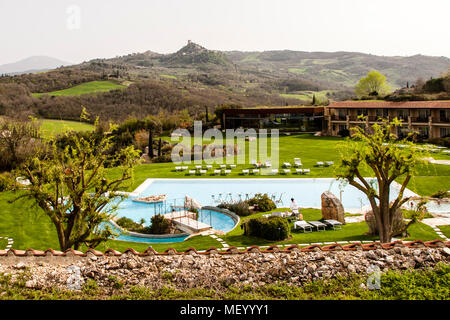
342,114
445,132
444,115
424,114
382,113
423,132
362,112
402,114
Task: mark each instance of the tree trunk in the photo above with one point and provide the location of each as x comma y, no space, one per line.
150,144
385,227
159,147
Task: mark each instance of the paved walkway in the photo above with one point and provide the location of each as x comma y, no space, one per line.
432,160
10,242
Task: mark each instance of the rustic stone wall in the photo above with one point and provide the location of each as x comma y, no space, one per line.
214,270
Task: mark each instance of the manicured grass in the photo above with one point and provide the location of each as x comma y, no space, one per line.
445,230
84,88
349,232
429,178
3,243
31,228
52,128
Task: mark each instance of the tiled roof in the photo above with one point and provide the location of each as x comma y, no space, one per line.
231,250
390,104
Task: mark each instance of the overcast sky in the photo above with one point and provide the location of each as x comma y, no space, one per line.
79,30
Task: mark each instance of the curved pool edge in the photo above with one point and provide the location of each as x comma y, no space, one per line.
168,237
227,212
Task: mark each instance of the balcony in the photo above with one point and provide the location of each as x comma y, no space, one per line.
338,117
420,119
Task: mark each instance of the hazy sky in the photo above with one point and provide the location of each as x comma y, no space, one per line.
79,30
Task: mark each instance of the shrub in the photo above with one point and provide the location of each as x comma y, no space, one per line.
5,182
263,202
273,228
241,208
160,225
129,224
344,133
441,194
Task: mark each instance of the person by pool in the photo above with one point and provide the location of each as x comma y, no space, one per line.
295,209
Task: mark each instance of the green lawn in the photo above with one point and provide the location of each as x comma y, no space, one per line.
84,88
3,243
52,128
430,177
31,228
445,230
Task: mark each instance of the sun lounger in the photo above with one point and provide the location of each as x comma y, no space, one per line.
223,166
208,167
318,225
305,226
245,171
297,164
297,159
216,171
232,166
336,225
299,171
177,168
266,215
278,214
274,171
268,164
255,171
184,168
191,172
319,164
203,171
287,165
286,171
226,172
198,167
329,163
306,171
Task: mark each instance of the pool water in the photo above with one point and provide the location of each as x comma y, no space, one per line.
306,192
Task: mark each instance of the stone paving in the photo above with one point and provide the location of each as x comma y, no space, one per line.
10,242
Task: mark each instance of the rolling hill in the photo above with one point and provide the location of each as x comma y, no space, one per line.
32,64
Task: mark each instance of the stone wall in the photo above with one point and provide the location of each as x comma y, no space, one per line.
214,269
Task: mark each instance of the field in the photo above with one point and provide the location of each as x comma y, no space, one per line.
51,128
85,88
308,95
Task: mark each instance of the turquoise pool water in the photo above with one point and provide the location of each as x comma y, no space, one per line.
306,192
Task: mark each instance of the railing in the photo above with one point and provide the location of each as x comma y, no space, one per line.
419,119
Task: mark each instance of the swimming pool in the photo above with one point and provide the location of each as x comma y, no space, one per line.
306,192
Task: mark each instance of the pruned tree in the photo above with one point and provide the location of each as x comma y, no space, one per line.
378,151
74,190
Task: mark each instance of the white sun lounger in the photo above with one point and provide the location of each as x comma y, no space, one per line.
223,166
198,167
319,164
299,171
305,171
297,159
329,163
216,171
245,171
177,168
286,171
287,165
274,171
305,226
298,164
208,167
336,225
232,166
192,172
268,165
318,225
255,171
226,172
203,171
184,168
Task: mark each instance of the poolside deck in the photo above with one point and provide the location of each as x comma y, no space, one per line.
184,220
